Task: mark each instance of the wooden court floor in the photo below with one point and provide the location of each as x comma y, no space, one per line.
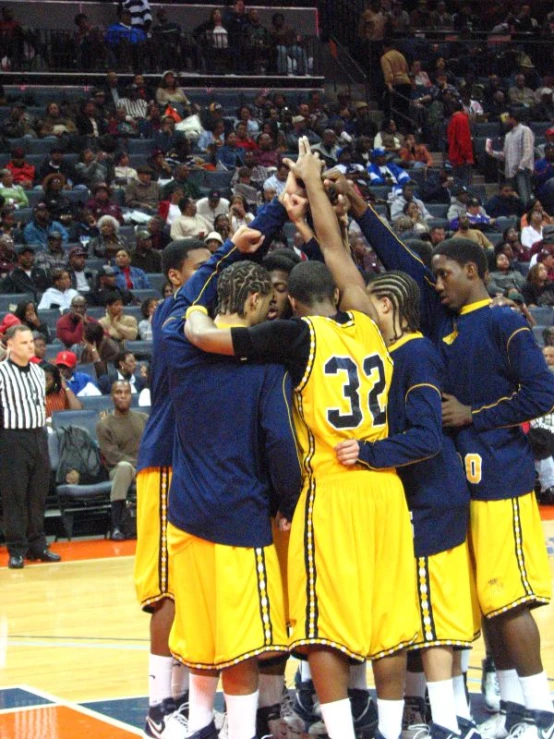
74,644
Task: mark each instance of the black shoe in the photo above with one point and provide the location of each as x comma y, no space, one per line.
156,719
16,562
45,556
117,535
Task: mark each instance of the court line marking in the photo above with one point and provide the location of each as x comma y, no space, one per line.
46,637
77,645
79,708
66,562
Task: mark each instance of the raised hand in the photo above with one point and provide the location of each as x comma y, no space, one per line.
308,166
296,206
247,240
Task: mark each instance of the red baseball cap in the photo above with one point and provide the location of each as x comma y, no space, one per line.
67,359
8,321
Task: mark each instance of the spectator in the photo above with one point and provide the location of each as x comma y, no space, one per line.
54,258
60,295
414,154
230,155
460,145
92,168
210,140
141,16
173,143
414,213
169,92
517,155
244,139
222,226
327,148
532,233
383,173
37,230
258,42
521,95
476,216
135,107
143,255
437,234
143,194
440,19
526,217
544,175
181,179
213,241
189,224
398,19
98,349
117,325
363,124
26,278
125,365
109,241
300,129
59,396
57,203
90,124
71,326
19,124
8,256
276,182
538,289
267,155
544,109
123,41
395,72
238,213
23,172
123,173
40,348
101,204
128,277
82,384
27,314
155,227
212,206
458,203
119,434
421,16
504,278
404,197
56,164
55,124
106,288
473,234
161,168
505,203
13,194
245,187
147,309
291,57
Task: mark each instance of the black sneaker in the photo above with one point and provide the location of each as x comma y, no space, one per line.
156,718
268,721
304,700
364,713
545,723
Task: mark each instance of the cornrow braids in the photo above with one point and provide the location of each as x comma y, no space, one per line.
403,292
237,282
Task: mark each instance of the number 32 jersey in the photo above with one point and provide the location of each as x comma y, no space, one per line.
341,373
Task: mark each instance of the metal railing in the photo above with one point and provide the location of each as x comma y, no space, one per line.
40,50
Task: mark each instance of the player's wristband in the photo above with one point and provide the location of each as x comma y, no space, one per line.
193,308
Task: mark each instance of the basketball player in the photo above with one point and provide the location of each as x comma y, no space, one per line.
495,369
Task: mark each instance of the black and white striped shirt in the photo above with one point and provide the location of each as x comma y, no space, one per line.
22,396
140,11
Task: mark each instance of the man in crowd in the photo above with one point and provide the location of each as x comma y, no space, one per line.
26,278
70,327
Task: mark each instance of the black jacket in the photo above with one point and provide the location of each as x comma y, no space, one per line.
20,282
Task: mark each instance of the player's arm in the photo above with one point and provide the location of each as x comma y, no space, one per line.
422,440
280,452
345,273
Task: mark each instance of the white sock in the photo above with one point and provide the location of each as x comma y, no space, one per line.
270,688
415,684
443,704
305,672
202,689
462,706
466,653
241,715
159,679
358,677
536,692
337,717
179,679
510,686
390,718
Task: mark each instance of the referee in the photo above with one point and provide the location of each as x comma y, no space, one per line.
24,463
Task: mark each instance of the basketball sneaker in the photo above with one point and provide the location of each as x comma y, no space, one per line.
305,700
544,721
177,723
490,689
468,729
157,717
269,722
414,718
502,723
364,713
293,723
208,732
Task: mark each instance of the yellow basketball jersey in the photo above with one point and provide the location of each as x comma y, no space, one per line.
344,391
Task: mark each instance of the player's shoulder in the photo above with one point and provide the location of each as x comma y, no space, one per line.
507,321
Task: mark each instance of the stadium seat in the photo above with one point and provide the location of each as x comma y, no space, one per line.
53,349
157,280
141,349
537,333
543,315
85,419
97,402
143,294
438,210
8,303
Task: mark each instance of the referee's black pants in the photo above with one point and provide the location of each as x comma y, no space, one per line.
24,481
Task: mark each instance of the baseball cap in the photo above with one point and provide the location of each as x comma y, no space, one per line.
8,321
66,359
546,91
213,236
214,195
18,153
379,152
26,247
40,206
549,131
298,119
460,189
54,235
77,251
143,234
106,271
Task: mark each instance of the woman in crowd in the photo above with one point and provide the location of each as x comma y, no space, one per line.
128,277
415,155
122,171
388,137
238,213
511,237
109,241
59,397
55,124
147,309
537,206
538,289
504,277
27,314
169,92
413,212
533,232
92,168
59,206
60,295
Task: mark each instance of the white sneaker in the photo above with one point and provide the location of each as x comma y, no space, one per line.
292,724
489,687
524,730
177,724
413,718
221,724
510,716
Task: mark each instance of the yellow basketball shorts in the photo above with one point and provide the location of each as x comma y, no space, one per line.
351,566
281,542
509,554
448,610
153,577
228,602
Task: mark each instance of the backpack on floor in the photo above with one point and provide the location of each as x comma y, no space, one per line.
80,462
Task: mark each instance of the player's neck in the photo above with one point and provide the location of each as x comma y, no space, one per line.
230,320
478,293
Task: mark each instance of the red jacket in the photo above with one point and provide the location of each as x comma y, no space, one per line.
69,329
460,147
26,173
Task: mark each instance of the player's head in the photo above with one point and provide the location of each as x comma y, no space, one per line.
312,290
395,296
244,289
182,258
280,264
460,267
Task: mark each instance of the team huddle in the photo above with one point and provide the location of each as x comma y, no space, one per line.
346,484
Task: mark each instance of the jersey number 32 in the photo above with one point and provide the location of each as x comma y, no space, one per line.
373,370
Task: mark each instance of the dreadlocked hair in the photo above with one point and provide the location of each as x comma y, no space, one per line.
237,282
403,292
